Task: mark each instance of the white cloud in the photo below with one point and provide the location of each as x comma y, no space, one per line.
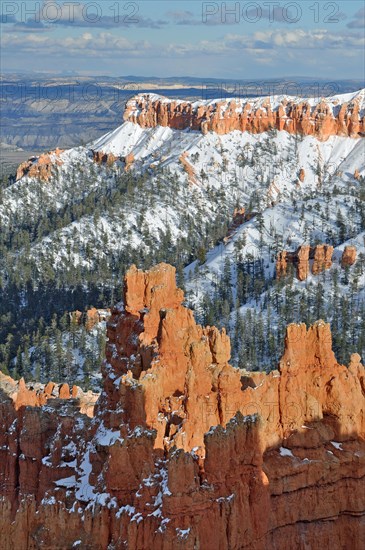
262,47
90,45
301,39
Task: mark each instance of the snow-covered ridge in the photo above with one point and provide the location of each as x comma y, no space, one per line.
341,115
153,125
252,104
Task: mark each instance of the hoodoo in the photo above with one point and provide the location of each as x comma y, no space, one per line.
186,451
321,254
296,116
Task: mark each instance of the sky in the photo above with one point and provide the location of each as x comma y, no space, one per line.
235,40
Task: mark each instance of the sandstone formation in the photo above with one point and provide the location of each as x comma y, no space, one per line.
239,217
104,158
40,167
321,119
348,256
186,451
129,160
299,258
302,259
322,258
90,318
292,115
189,169
357,175
95,316
321,254
282,263
109,159
36,395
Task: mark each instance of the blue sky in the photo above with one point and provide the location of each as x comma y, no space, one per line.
174,38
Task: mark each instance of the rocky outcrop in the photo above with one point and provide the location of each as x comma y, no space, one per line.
40,167
299,258
302,262
348,256
184,450
189,169
282,263
172,349
321,256
104,158
41,428
129,160
323,119
36,395
95,316
90,318
239,217
108,159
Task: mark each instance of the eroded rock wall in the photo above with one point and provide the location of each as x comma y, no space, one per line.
321,256
185,451
321,120
40,167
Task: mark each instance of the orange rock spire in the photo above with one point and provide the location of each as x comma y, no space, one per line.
186,451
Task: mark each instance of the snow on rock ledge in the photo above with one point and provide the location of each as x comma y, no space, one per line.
341,115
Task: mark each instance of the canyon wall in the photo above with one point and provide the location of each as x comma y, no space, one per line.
323,119
184,451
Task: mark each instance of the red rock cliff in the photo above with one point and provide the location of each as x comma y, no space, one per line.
186,451
40,167
321,119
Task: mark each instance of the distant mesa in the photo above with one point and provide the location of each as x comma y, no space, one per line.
308,117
